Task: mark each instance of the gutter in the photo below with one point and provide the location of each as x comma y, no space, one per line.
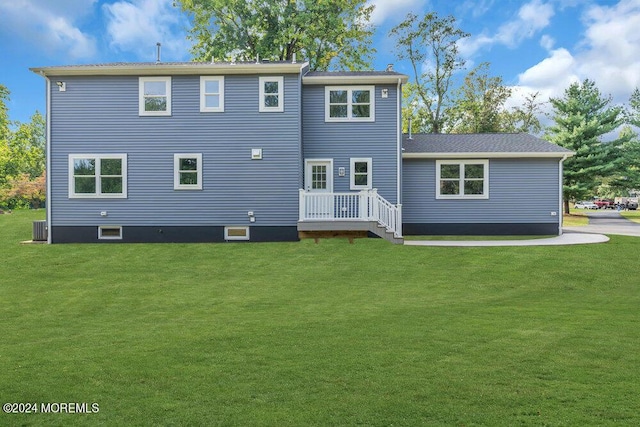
48,156
399,148
485,154
352,80
147,69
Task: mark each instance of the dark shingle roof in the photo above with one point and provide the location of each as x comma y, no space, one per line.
485,143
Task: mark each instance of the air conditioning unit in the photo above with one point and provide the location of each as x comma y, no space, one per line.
40,231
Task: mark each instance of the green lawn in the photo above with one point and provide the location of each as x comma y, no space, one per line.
576,218
305,334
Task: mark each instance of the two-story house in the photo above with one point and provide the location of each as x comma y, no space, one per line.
212,152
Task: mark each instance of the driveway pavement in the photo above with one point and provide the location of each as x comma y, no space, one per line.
607,222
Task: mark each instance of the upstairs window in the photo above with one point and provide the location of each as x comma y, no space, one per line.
271,94
97,176
468,179
211,94
187,171
155,96
349,103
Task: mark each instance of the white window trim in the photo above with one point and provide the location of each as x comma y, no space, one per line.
352,173
463,163
98,194
349,118
240,227
141,110
176,171
102,237
203,94
263,108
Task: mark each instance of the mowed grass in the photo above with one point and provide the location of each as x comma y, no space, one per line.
305,334
576,218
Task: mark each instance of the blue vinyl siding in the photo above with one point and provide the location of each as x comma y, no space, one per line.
341,141
520,191
99,114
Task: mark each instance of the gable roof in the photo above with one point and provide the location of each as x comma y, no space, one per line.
424,145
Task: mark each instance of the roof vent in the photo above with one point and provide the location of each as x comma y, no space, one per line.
158,48
389,68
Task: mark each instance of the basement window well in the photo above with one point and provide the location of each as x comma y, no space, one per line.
236,233
109,232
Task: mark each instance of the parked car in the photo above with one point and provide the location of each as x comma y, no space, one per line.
585,205
605,204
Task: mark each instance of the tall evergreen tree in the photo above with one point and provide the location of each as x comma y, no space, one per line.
582,117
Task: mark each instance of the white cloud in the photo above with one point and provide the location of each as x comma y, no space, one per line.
608,54
49,26
554,70
475,8
137,25
531,18
547,42
395,10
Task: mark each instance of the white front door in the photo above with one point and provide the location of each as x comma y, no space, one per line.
318,179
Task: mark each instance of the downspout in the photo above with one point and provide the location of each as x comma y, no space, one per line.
399,136
560,185
48,157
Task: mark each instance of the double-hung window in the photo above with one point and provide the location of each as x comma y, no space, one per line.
154,96
187,171
97,176
349,103
211,94
462,179
271,93
361,174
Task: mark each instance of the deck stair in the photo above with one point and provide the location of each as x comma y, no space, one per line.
350,212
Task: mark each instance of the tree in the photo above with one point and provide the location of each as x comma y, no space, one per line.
582,117
628,176
5,132
22,159
328,33
4,113
479,107
524,118
26,146
430,44
24,191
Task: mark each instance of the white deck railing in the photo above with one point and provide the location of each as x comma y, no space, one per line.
366,205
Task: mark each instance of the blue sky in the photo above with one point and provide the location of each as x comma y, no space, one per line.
534,45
